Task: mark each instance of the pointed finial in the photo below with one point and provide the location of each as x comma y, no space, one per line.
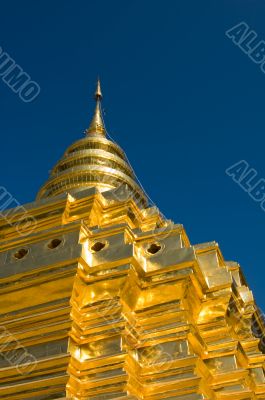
97,126
98,93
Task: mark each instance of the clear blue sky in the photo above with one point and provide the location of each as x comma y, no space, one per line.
180,98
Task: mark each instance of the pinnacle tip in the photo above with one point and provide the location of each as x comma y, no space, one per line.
98,93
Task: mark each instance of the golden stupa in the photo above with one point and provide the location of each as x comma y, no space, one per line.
103,298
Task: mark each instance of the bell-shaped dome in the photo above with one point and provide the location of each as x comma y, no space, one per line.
93,161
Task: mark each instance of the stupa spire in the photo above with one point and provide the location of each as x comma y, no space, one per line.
97,126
